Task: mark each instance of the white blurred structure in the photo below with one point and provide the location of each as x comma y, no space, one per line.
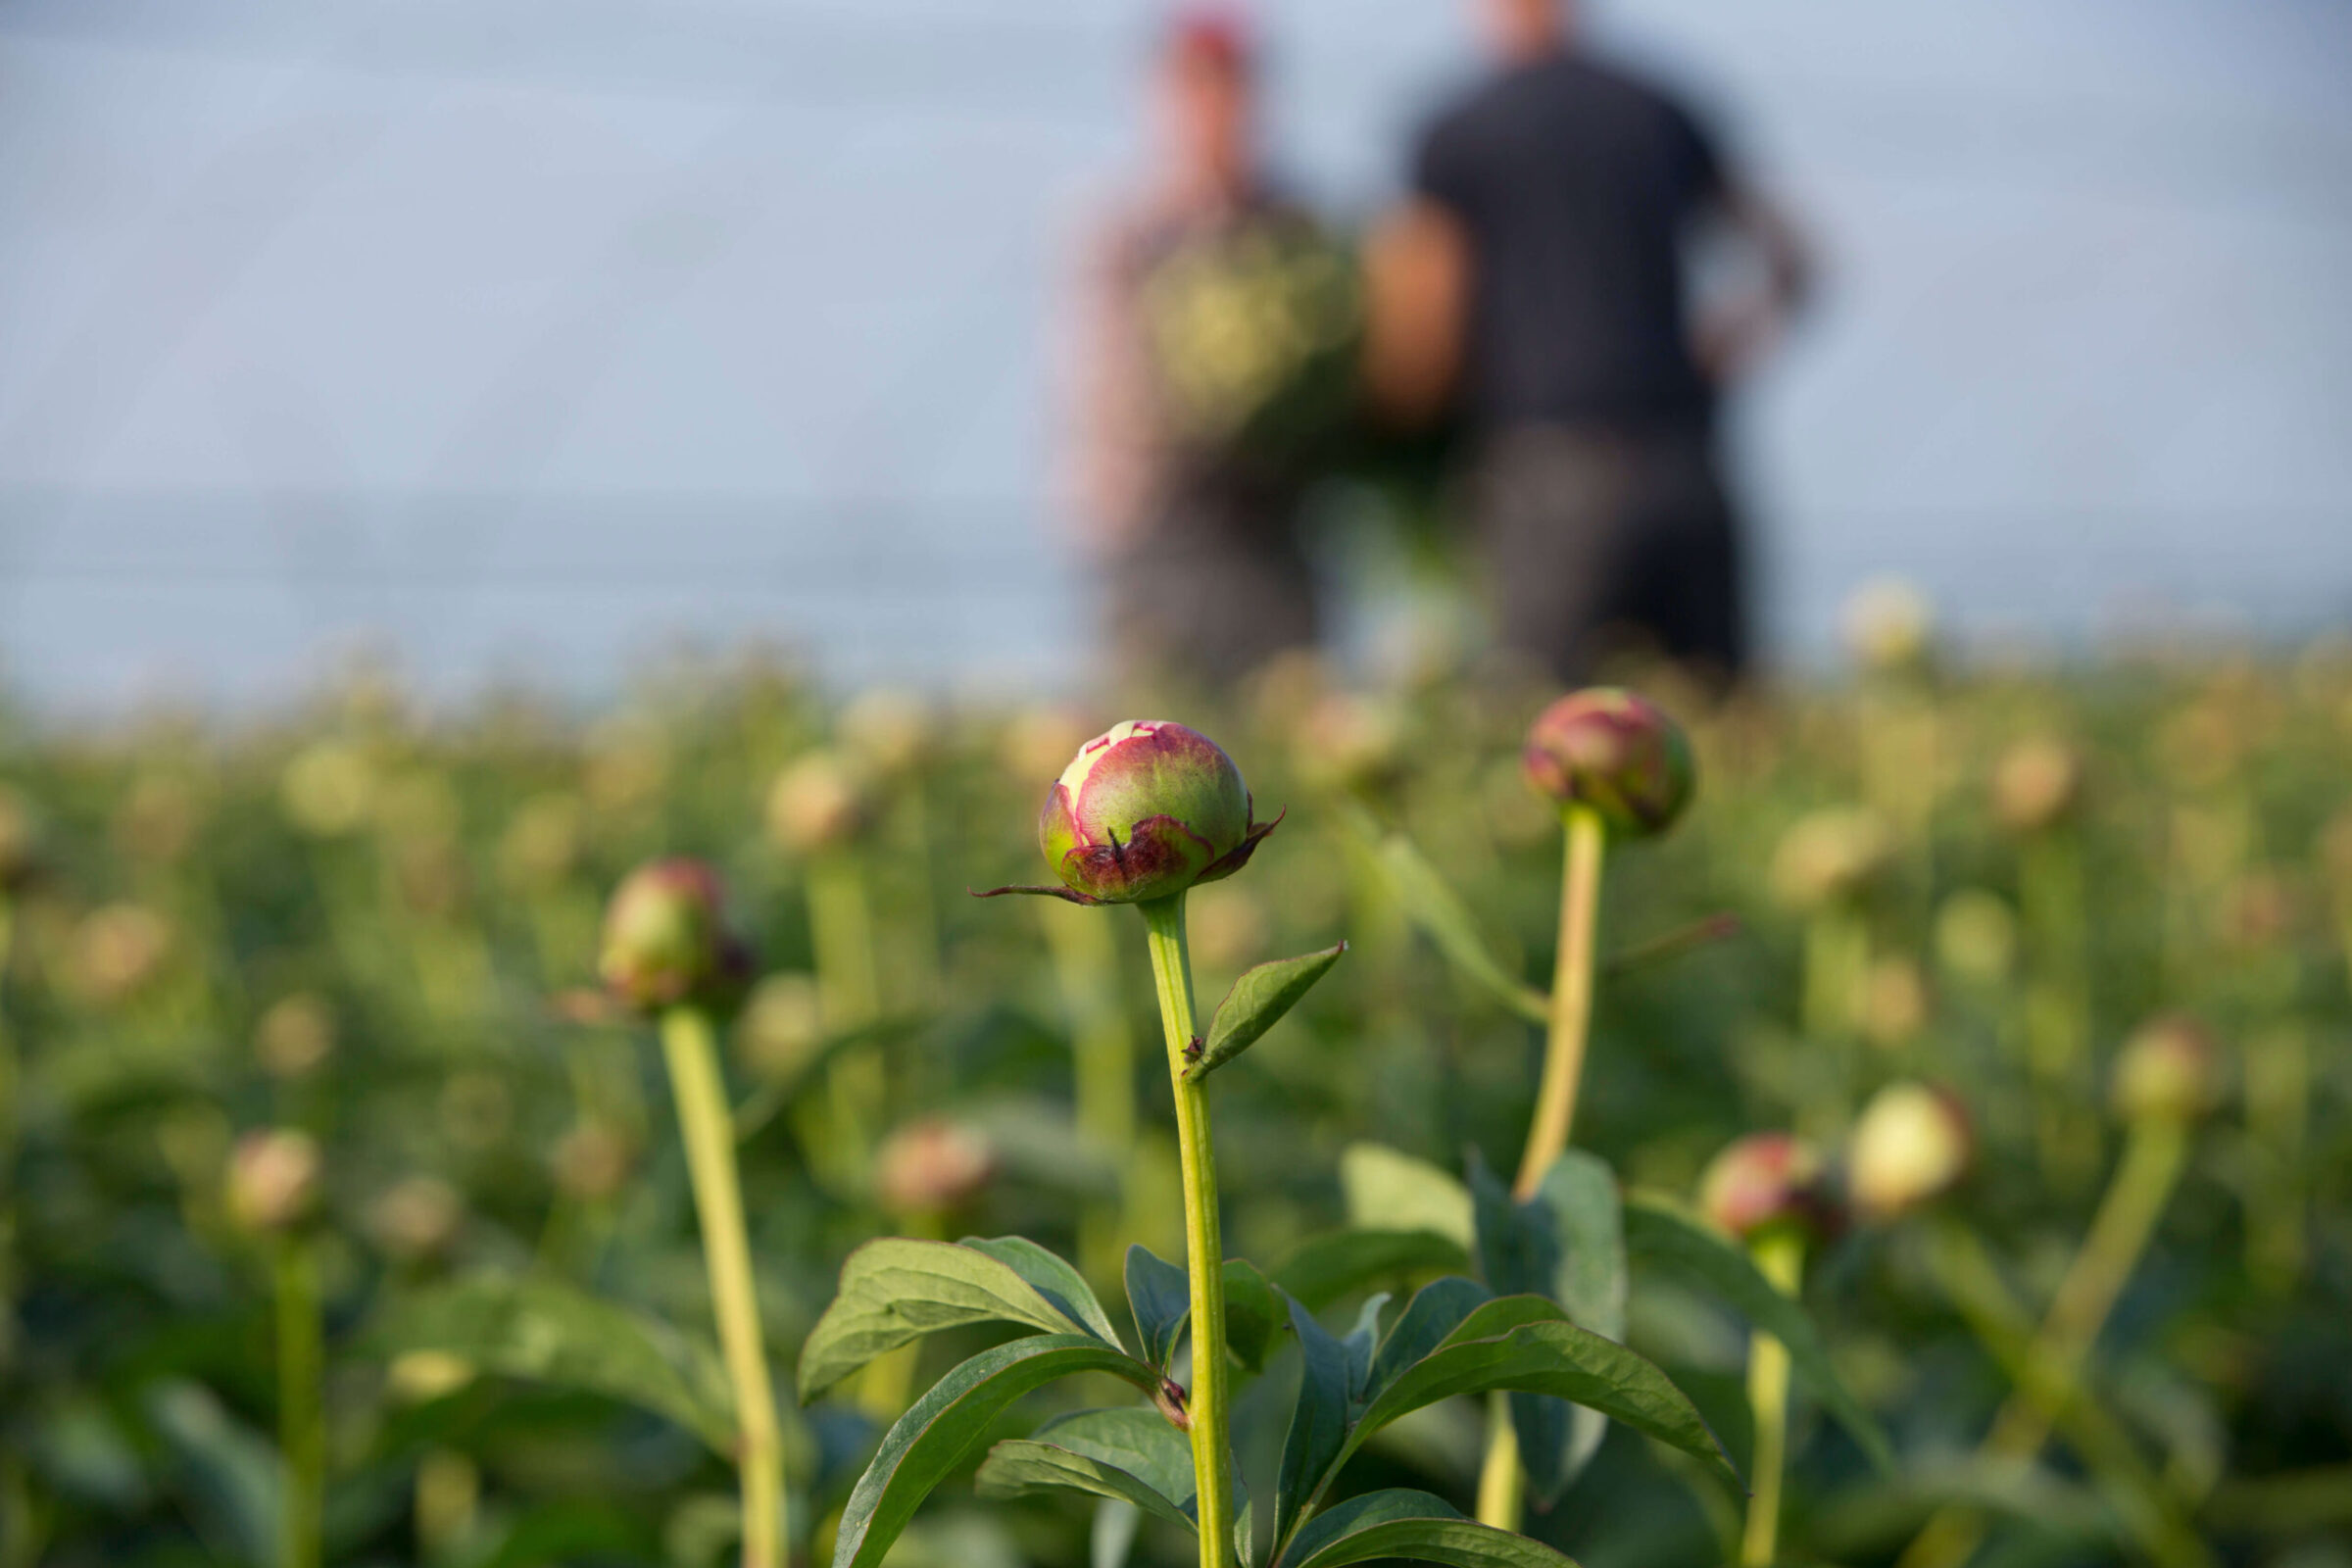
522,335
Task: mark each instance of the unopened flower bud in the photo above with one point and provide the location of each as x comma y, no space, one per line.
666,937
2169,1070
328,788
1830,856
1894,1003
1975,936
1348,741
273,1181
782,1026
594,1160
295,1037
1146,810
814,804
2036,784
1769,1180
932,1166
119,950
1913,1143
417,1220
889,730
1615,753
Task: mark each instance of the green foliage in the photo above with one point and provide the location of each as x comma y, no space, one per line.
1134,1456
1412,1525
1257,1002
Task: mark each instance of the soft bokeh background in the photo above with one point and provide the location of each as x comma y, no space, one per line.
518,338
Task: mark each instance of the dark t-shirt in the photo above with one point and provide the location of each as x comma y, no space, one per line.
1576,184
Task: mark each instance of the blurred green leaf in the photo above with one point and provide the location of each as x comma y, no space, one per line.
1387,1190
1319,1423
1256,1003
228,1473
895,1290
1322,1270
1442,916
1662,1231
1133,1455
932,1438
549,1332
1254,1313
1436,1311
1411,1526
1161,1297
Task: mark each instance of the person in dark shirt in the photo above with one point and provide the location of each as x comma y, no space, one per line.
1536,283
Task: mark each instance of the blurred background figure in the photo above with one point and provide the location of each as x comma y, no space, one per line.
1200,300
1537,281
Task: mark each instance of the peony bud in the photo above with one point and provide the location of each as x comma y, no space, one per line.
814,804
417,1220
782,1027
931,1166
1830,856
666,938
890,731
1889,626
295,1037
1348,742
1912,1144
2036,784
594,1160
1615,753
273,1181
2169,1070
119,950
1146,810
1766,1180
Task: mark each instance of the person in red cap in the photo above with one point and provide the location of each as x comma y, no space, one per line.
1534,285
1194,538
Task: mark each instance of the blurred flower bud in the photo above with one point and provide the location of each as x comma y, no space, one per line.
417,1220
420,1377
814,804
1913,1143
2169,1070
273,1181
19,838
594,1160
2036,784
295,1037
119,950
1888,625
1038,741
328,788
888,730
931,1166
2259,913
1146,810
666,938
1894,1003
1615,753
1975,936
1348,741
541,846
782,1026
1768,1180
1830,856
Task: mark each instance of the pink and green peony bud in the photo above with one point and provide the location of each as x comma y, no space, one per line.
2169,1070
273,1182
1615,753
666,938
1912,1144
815,805
1767,1181
1146,811
932,1166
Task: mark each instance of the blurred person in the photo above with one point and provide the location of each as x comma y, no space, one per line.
1536,285
1193,529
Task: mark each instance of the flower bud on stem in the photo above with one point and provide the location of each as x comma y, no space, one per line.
687,1043
1205,1249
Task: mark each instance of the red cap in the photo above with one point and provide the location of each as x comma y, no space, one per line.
1212,37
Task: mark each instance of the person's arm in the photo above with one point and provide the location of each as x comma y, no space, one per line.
1736,333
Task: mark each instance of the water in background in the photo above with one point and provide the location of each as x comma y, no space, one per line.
522,336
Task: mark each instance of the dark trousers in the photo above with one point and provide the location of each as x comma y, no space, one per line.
1598,543
1217,585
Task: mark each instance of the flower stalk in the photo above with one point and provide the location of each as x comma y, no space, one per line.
1205,1251
1778,1251
690,1048
301,1399
1571,999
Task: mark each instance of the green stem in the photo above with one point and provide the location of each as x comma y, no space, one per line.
1103,1067
2052,1365
1779,1254
301,1407
1501,1488
1204,1248
709,1133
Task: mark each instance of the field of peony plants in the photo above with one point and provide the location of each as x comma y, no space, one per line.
1899,1119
